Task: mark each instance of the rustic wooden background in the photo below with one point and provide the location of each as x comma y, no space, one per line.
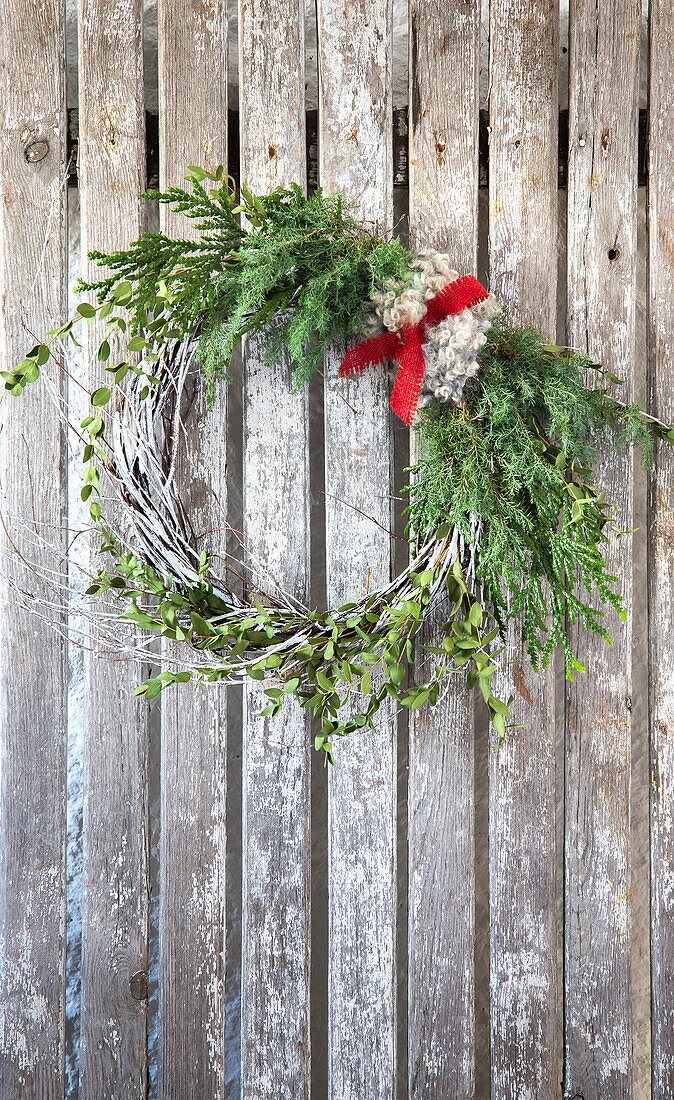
191,908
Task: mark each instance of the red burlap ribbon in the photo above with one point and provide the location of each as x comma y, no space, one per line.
405,346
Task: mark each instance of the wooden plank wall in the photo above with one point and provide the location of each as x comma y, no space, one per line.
192,45
443,194
523,855
115,894
276,918
602,233
561,998
32,454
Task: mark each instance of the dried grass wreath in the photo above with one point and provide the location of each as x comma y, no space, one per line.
502,516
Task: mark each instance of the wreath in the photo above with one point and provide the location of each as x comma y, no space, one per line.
502,518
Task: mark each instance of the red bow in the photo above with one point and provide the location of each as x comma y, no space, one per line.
405,346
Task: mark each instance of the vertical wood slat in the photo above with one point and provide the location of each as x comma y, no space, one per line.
355,138
523,861
32,663
275,1054
661,545
443,184
192,47
602,227
113,1054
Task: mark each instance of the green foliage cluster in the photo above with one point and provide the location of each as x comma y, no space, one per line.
357,655
516,459
299,269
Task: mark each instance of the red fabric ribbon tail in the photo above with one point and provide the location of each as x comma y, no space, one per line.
410,375
369,353
462,293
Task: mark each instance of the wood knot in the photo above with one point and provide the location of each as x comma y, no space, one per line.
613,254
138,985
36,151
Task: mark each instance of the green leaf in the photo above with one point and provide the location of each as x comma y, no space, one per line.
86,310
323,682
418,700
101,396
32,374
200,626
499,725
475,614
121,293
497,707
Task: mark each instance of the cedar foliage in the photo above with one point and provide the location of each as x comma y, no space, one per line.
299,269
516,458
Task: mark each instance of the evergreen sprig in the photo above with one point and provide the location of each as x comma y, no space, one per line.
299,269
514,460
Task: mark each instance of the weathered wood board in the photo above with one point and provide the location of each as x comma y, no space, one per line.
33,464
276,919
523,856
193,130
355,139
602,225
443,190
661,546
113,1054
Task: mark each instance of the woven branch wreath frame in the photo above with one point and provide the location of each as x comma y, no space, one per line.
503,517
140,466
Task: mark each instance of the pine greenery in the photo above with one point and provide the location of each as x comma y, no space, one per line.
301,272
516,458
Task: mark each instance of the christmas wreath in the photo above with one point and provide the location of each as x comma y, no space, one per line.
502,517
